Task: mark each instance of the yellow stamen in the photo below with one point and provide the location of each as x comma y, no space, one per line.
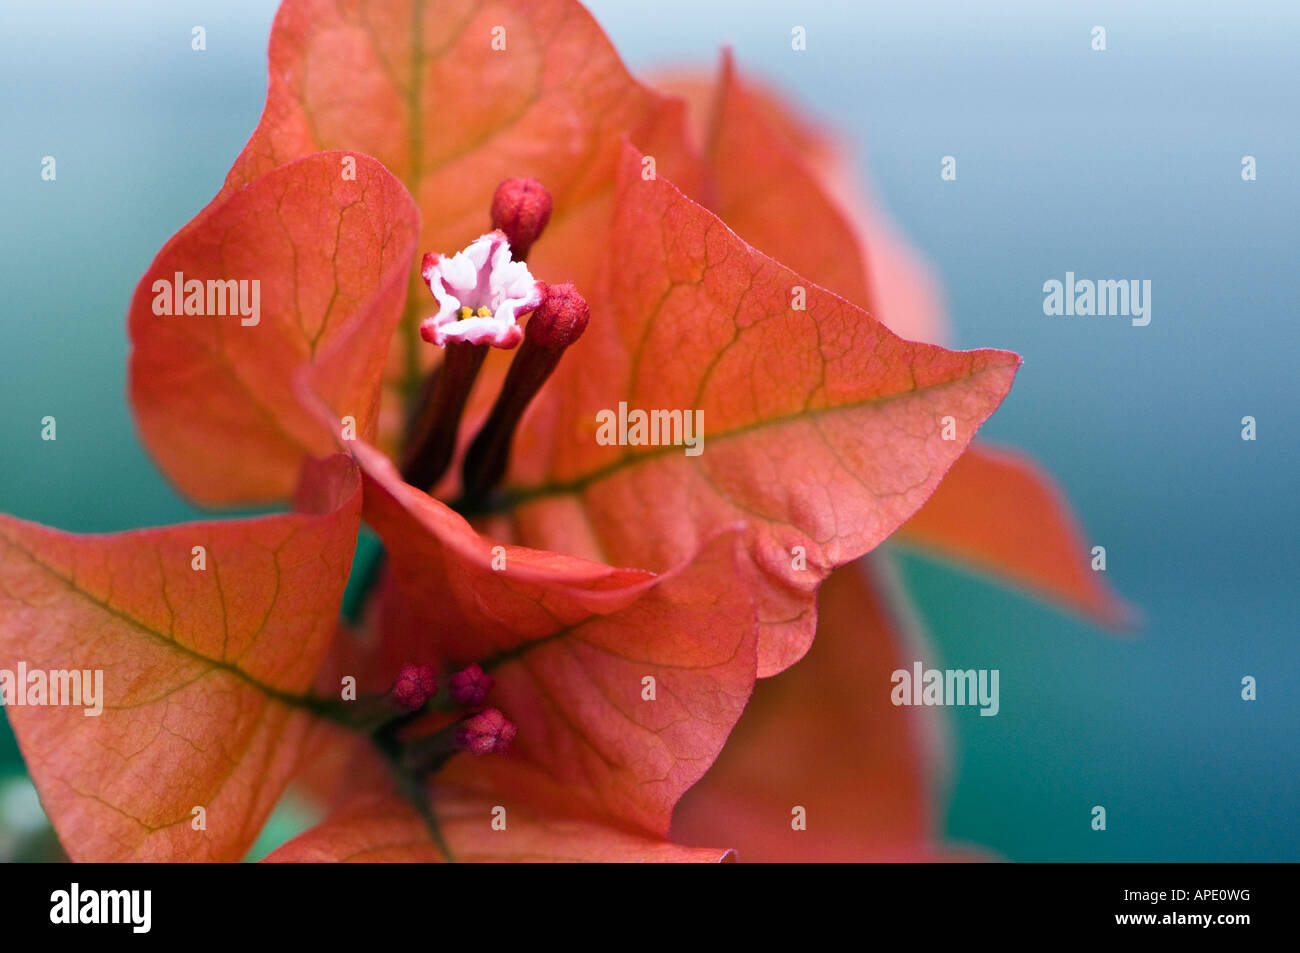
484,313
466,313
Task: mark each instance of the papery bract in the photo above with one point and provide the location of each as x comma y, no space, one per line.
823,430
593,739
760,182
204,669
761,155
619,712
569,644
214,398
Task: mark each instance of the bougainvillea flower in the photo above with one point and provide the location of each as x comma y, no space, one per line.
623,594
481,293
673,325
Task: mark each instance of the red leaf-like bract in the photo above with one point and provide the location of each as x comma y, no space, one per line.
571,645
419,85
823,431
468,598
204,669
215,398
591,742
621,705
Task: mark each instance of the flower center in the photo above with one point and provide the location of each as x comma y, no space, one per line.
477,728
482,292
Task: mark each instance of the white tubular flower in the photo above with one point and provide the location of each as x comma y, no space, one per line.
481,294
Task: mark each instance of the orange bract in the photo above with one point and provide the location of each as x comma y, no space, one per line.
215,399
823,431
205,669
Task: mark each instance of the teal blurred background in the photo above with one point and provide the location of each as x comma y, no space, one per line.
1117,164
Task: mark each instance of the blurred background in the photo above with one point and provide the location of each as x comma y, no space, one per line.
1116,164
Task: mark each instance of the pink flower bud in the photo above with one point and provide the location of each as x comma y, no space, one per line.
560,319
471,686
521,208
487,732
415,685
